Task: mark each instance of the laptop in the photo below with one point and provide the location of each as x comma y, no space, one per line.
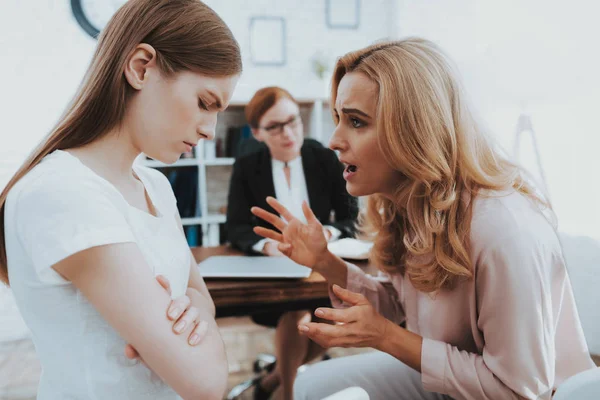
252,267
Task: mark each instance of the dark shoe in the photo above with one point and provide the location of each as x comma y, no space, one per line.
260,393
264,362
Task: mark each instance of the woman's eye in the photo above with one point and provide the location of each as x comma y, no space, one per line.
356,123
202,105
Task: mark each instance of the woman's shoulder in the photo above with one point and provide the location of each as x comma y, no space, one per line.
57,172
60,178
502,217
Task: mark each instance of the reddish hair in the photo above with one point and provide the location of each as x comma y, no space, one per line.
262,101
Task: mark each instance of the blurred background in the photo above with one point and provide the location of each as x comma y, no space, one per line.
531,57
530,67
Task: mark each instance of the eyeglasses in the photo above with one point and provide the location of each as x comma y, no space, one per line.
276,129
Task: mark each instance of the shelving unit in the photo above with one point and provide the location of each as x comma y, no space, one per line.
215,172
189,162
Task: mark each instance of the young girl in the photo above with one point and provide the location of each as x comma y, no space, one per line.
475,269
84,230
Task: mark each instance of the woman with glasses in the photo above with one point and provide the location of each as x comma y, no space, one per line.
291,169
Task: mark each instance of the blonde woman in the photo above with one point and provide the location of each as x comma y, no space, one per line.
85,233
473,267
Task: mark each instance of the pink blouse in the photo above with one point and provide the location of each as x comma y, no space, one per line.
513,330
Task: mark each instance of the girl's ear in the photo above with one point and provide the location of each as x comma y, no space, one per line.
139,63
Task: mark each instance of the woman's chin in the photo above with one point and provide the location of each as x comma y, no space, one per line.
357,191
166,158
353,190
173,159
289,153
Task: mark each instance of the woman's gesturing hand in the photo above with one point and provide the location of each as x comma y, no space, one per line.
360,325
303,243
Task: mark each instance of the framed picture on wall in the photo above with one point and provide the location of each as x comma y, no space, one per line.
268,41
342,14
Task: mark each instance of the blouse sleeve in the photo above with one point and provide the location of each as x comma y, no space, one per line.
57,218
514,286
379,291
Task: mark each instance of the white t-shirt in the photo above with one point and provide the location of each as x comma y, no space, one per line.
62,207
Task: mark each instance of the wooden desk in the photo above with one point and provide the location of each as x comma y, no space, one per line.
236,297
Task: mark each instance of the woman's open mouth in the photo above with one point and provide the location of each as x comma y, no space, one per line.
350,171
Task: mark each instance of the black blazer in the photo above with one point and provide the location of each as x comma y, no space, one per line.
252,182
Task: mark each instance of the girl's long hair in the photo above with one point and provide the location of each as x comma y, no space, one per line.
187,36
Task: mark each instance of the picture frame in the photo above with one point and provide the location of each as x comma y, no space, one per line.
342,14
268,41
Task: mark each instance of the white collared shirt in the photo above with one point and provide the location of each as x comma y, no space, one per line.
291,196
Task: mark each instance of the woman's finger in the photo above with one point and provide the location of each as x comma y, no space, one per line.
272,201
188,319
324,334
285,249
336,315
348,296
198,333
178,306
131,352
268,233
309,214
164,282
268,217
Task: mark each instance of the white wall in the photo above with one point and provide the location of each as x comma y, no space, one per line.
307,33
43,58
44,55
535,55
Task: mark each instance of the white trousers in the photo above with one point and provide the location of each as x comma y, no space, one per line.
381,375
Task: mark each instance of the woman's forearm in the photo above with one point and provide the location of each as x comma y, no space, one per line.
214,368
201,301
398,342
406,346
197,284
215,355
333,269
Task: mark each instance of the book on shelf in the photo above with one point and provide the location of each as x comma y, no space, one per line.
184,182
185,188
193,235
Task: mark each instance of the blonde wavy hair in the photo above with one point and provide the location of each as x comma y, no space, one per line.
427,133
